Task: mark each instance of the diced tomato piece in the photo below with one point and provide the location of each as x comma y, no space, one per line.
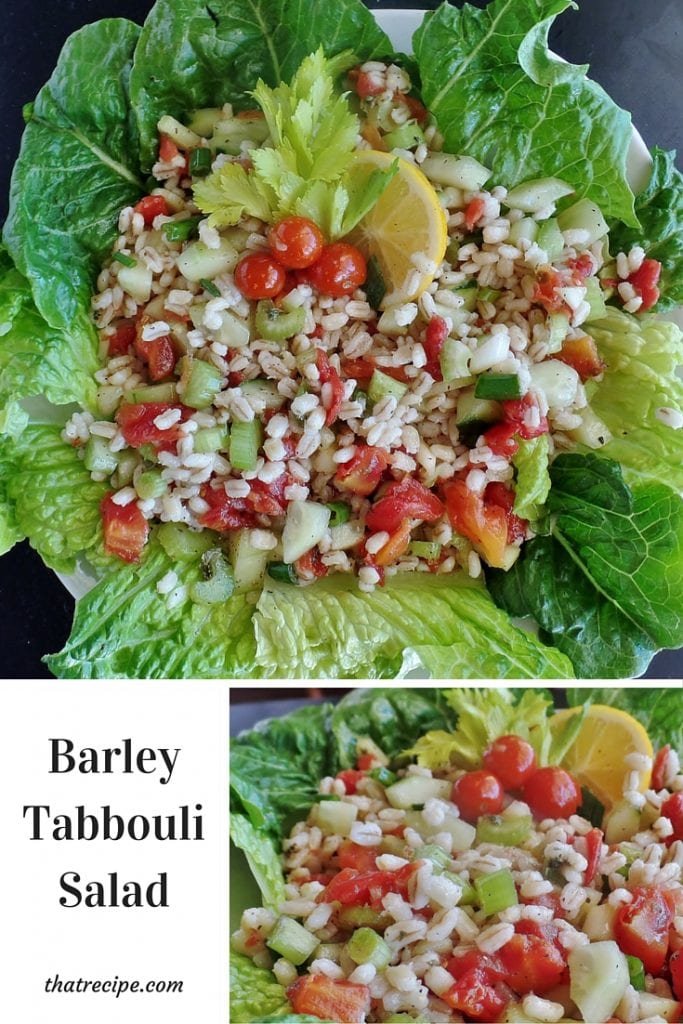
360,370
672,808
473,959
125,529
582,354
434,338
486,526
582,267
518,412
328,999
676,968
531,964
363,472
417,109
372,134
645,280
396,545
404,498
268,499
329,376
167,149
354,889
351,855
159,356
124,336
478,996
641,927
311,565
474,211
366,761
551,900
593,848
350,777
225,513
501,439
151,207
497,493
546,930
546,294
659,767
367,86
138,428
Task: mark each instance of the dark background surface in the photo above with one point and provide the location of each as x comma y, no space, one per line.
634,47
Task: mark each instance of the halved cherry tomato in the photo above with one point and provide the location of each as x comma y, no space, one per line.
396,545
501,439
334,396
329,999
517,411
641,927
407,498
485,526
593,849
350,777
474,211
339,270
511,759
363,472
531,964
125,529
434,338
552,793
477,793
311,565
260,276
478,995
673,810
582,355
138,428
659,767
296,242
167,149
351,855
645,280
120,341
151,207
497,493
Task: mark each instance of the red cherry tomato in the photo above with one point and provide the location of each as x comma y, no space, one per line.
351,855
645,280
340,269
477,793
260,276
552,793
316,995
434,338
363,472
641,927
123,337
531,964
151,207
125,529
405,498
296,242
659,767
511,759
673,810
501,439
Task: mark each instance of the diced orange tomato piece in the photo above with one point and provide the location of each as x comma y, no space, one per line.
328,999
486,526
474,211
582,354
125,529
167,149
395,546
372,135
363,472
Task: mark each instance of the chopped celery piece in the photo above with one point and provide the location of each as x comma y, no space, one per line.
340,513
202,382
488,294
181,230
292,941
200,162
154,393
375,286
274,324
621,822
538,194
124,260
359,917
496,891
183,544
416,789
149,452
403,1018
245,441
150,484
468,897
283,572
211,439
462,833
428,549
550,239
498,386
454,359
367,947
407,136
383,775
210,287
98,456
436,854
470,294
584,216
266,390
248,563
503,830
636,973
219,582
128,463
305,525
335,818
382,385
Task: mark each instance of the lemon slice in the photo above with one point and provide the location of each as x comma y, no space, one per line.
407,223
598,756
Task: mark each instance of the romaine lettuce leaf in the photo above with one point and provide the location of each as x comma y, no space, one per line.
78,167
263,859
660,211
498,96
657,708
254,992
533,480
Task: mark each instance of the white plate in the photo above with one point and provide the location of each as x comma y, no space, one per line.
400,26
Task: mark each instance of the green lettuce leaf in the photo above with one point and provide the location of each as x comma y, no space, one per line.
77,168
124,629
498,96
660,211
263,859
192,54
657,708
642,356
254,992
533,480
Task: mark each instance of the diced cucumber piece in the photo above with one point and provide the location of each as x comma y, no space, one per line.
458,171
150,484
182,136
219,582
504,830
248,563
595,297
265,390
598,923
499,386
598,979
128,463
198,261
154,393
335,817
592,432
182,544
417,789
203,121
137,282
537,194
584,216
471,410
275,324
462,833
558,329
98,456
305,525
558,382
488,294
346,536
496,891
291,940
382,385
201,382
245,441
230,132
212,439
428,549
454,359
233,331
358,917
407,136
366,947
526,228
621,822
653,1006
388,324
550,239
468,895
